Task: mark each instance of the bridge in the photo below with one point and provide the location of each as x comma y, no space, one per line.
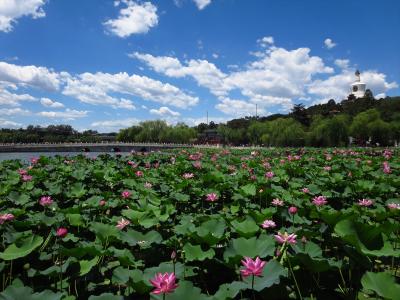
90,147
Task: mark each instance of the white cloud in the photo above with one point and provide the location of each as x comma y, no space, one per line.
9,124
11,10
342,63
239,108
338,86
96,89
266,41
329,43
205,73
201,4
50,103
135,18
114,125
11,99
68,114
164,111
38,77
197,121
14,112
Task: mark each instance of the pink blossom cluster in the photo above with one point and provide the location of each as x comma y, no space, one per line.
269,174
252,267
319,201
121,224
6,217
365,202
283,238
164,283
386,168
277,202
45,201
268,224
188,175
212,197
393,205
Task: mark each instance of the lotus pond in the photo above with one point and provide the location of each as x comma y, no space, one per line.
207,224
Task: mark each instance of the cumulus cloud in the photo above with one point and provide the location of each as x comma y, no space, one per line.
33,76
9,124
50,103
113,125
201,4
11,10
164,111
239,108
14,112
11,99
338,86
135,18
342,63
275,78
96,89
68,114
266,41
329,43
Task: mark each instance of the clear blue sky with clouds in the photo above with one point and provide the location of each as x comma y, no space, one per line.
105,65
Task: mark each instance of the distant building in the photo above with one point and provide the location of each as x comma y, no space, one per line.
358,87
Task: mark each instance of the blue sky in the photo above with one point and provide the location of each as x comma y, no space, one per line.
105,65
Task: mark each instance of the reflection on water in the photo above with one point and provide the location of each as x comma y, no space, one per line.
28,155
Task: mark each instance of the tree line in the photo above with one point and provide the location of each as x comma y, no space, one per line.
366,120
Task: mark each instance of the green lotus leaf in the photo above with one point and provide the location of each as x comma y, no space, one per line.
185,291
21,248
194,253
249,190
26,293
106,296
211,231
382,284
87,265
252,247
246,228
272,272
133,238
120,275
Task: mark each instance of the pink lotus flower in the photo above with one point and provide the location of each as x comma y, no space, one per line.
62,232
305,190
386,168
122,223
365,202
34,160
268,224
6,217
126,194
164,283
283,238
212,197
269,174
188,175
197,165
393,205
252,267
148,185
387,154
319,201
292,210
45,201
327,168
22,172
277,202
102,202
139,173
26,178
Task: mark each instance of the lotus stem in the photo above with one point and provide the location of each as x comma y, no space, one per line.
294,278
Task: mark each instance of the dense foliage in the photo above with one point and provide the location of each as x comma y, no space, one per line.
368,121
101,228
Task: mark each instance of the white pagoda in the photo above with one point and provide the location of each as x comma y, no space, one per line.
358,87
